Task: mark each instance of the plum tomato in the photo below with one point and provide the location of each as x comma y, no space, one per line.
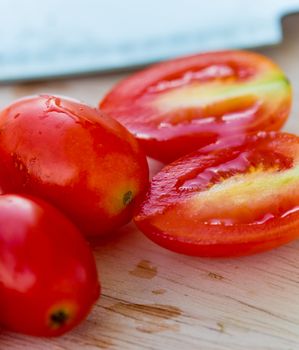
232,201
84,163
48,276
178,106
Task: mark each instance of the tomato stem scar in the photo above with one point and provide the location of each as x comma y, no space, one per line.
127,198
59,318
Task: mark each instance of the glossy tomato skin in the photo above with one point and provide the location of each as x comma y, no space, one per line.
48,276
230,201
71,155
178,106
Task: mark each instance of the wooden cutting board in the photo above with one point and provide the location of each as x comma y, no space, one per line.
156,299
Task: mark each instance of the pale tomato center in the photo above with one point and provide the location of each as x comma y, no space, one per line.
248,198
220,98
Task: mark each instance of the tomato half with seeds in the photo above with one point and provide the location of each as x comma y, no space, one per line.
84,163
229,202
178,106
48,276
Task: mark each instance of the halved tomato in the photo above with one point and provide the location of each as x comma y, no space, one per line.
178,106
229,202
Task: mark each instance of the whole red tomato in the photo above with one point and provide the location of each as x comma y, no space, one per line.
48,277
236,200
178,106
71,155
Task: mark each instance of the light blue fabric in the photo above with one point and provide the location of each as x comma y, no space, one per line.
58,37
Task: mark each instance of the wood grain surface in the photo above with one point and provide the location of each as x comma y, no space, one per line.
156,299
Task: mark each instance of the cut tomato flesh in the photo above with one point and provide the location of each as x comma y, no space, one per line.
244,196
178,106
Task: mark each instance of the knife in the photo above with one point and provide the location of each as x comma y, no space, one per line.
48,39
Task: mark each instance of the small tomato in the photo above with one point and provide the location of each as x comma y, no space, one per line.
48,277
71,155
